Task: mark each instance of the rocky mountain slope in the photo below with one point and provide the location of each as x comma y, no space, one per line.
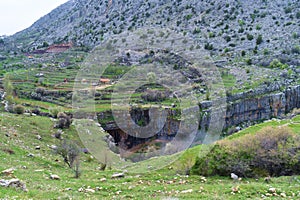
225,28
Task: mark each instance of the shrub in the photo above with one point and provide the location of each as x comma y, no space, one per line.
211,35
64,121
259,40
287,10
243,53
227,38
248,61
19,109
208,46
271,151
250,37
296,50
40,90
70,152
53,111
277,64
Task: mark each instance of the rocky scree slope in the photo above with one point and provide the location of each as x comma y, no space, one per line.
226,28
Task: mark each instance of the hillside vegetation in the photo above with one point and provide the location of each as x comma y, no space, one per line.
74,62
20,136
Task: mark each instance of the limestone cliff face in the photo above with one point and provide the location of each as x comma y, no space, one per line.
262,108
244,110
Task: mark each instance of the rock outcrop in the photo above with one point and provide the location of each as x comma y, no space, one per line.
245,110
263,107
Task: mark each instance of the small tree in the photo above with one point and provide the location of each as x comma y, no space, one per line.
9,89
70,153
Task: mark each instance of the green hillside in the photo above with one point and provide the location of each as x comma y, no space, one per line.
20,137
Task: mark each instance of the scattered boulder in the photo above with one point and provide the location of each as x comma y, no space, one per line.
39,75
85,150
234,176
90,190
8,172
118,175
58,134
272,190
30,155
14,183
54,177
53,147
283,194
103,179
187,191
87,190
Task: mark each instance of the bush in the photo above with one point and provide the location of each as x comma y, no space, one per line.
53,111
64,121
298,15
259,40
250,37
40,90
277,64
208,46
248,61
70,152
243,53
271,151
296,50
19,109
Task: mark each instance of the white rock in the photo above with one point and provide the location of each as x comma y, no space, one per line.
54,177
283,194
118,192
234,176
187,191
15,183
8,171
118,175
90,190
272,190
30,155
54,147
103,179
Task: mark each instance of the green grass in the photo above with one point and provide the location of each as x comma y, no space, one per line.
229,80
293,123
160,184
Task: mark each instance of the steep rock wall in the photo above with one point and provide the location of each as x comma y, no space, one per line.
248,108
